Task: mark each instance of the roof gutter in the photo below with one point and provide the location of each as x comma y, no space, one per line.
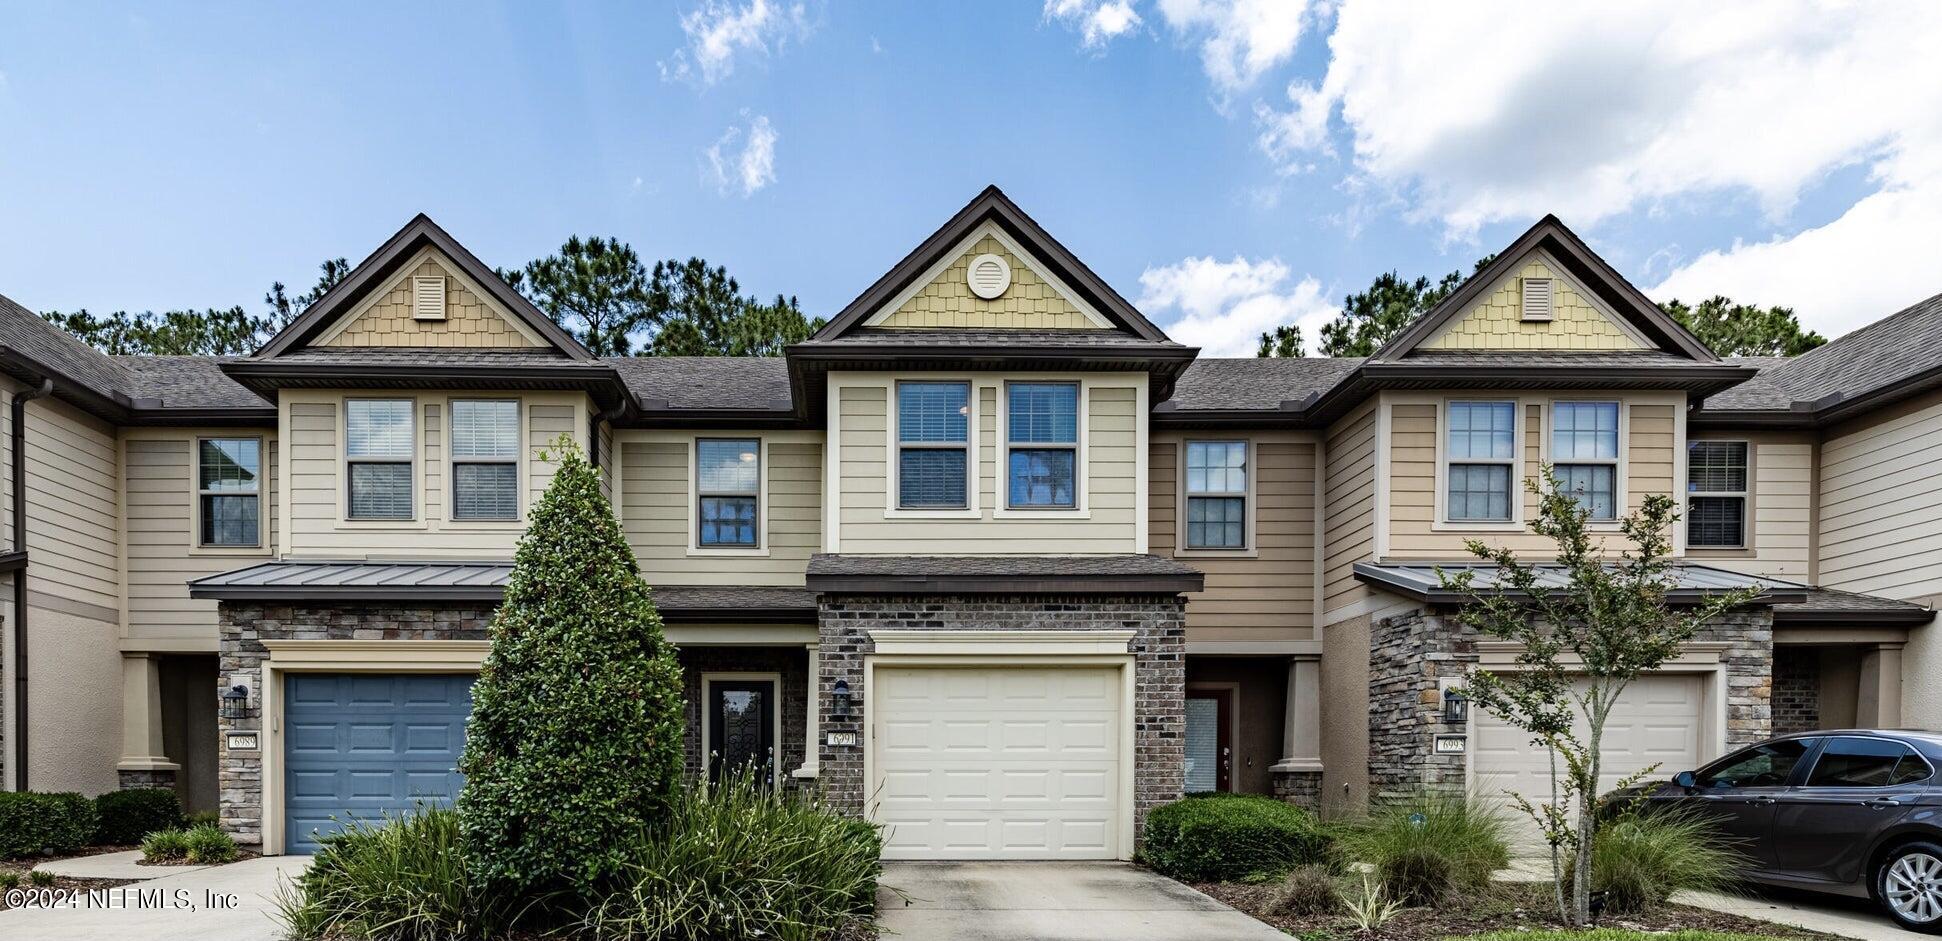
17,431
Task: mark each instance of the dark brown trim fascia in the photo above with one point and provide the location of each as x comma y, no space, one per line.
749,615
992,203
381,264
1754,419
13,561
1006,585
1836,617
262,374
109,406
181,417
1698,378
662,416
1443,596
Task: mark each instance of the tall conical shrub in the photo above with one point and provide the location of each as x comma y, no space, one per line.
575,740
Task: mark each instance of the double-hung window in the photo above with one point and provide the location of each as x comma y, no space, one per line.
485,459
933,445
1716,490
1584,454
1042,437
1480,448
229,491
1216,495
728,488
378,459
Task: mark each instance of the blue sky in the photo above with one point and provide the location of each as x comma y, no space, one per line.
1228,165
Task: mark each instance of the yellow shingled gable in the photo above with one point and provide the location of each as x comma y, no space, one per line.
470,319
1030,303
1496,322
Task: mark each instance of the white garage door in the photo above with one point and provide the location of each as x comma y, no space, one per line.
1659,719
997,763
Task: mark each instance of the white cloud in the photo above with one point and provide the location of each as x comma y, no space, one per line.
1225,306
720,30
748,169
1098,21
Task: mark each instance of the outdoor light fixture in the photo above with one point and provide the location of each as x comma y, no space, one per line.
1456,709
235,703
839,696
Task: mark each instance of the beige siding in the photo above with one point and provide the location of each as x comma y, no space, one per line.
162,551
73,508
316,479
1780,507
1268,592
470,319
1881,503
1114,416
1496,322
660,521
1349,506
1030,303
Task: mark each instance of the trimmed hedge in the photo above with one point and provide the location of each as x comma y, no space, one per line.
127,816
34,823
1230,838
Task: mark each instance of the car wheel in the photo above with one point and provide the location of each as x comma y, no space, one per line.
1909,885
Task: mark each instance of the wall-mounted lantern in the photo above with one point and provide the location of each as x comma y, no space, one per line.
235,703
839,700
1456,708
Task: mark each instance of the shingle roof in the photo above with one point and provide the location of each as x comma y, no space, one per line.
1889,350
25,333
186,382
739,382
1762,391
1845,608
1256,383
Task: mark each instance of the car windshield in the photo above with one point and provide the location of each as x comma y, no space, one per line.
1764,765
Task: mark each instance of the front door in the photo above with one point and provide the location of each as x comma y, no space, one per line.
741,728
1210,750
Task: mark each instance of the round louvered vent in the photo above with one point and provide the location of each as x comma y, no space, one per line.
989,276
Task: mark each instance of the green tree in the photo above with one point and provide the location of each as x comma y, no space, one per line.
1371,317
700,311
575,740
228,331
1582,644
1731,329
594,287
1283,341
284,308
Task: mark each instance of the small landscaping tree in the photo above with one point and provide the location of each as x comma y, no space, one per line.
575,741
1608,622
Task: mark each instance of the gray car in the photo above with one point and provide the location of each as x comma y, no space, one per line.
1855,811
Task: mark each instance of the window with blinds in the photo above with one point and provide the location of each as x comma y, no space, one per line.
933,444
1716,492
379,454
1042,442
485,459
229,491
728,487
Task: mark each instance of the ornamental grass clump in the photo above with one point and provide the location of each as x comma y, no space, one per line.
1421,850
1640,859
574,747
399,879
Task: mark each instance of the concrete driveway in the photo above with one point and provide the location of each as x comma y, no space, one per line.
220,903
1052,902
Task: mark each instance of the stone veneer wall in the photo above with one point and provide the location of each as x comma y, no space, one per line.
1159,672
1796,690
1410,653
244,628
793,698
1300,788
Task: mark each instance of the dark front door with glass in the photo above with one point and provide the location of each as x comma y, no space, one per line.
741,728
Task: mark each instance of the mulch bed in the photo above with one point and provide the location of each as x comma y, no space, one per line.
1506,907
62,883
241,854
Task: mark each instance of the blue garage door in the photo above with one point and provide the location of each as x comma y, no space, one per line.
361,745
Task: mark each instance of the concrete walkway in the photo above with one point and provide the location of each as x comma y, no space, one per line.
1850,918
122,865
1051,902
215,903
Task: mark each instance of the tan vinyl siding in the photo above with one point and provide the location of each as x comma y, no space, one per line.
162,536
1114,413
659,521
1881,502
1267,592
73,507
1349,505
1780,506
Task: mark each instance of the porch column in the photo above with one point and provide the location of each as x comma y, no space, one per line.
811,732
144,761
1301,735
1879,703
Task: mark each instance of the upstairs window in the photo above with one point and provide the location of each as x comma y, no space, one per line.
1042,440
1716,490
1480,448
1216,495
1584,454
228,489
728,486
485,459
378,458
933,444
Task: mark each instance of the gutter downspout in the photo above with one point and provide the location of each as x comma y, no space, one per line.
17,430
593,431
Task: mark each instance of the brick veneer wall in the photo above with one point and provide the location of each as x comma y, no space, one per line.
1159,672
244,628
1796,690
792,663
1300,788
1410,653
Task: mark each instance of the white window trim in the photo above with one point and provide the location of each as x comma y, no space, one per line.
1621,503
707,722
761,547
1248,548
344,462
1001,485
1443,522
197,493
1745,496
893,509
452,462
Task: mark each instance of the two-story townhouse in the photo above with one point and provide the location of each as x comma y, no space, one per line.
989,558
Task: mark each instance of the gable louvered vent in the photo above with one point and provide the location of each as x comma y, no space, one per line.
428,298
989,276
1537,298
